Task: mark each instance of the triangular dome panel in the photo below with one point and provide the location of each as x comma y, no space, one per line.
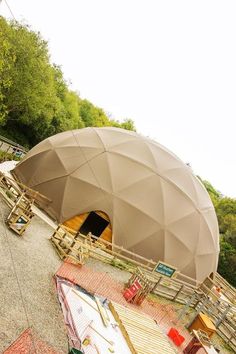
156,205
147,196
182,178
55,169
187,230
136,152
176,204
176,252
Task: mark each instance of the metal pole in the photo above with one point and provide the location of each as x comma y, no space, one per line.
220,320
204,302
186,307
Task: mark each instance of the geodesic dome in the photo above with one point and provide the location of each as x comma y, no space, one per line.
157,207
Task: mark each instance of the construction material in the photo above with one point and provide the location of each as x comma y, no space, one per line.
102,312
203,322
140,331
173,289
85,329
107,340
20,198
199,341
21,214
19,218
67,247
138,288
86,301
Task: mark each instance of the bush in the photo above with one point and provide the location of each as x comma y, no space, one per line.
6,156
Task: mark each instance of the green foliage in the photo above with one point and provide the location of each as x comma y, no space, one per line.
92,116
35,101
128,124
226,214
214,194
5,156
227,261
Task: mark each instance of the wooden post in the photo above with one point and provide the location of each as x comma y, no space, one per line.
203,304
178,292
186,307
220,320
156,285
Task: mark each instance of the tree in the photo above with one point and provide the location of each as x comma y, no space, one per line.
92,116
213,193
227,262
128,124
7,60
35,101
30,94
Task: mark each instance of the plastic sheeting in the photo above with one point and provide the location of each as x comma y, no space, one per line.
83,322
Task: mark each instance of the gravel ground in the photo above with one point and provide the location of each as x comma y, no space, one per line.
123,276
31,264
117,274
27,293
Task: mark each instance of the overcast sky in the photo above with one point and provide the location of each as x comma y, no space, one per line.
168,65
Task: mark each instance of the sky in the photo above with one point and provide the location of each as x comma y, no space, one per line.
168,65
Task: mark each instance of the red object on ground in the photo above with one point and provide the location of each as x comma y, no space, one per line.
172,333
132,290
193,347
178,340
101,283
29,343
175,336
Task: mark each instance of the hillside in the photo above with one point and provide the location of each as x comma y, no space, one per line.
35,98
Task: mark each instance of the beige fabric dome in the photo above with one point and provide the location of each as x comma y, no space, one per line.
156,206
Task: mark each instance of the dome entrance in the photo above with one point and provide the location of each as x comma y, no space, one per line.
157,206
97,222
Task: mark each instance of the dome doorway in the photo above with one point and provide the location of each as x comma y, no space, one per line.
97,222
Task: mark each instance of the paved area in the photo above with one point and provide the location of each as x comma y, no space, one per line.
27,291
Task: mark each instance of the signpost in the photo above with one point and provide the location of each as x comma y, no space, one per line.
165,269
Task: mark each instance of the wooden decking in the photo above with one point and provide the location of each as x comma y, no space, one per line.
141,332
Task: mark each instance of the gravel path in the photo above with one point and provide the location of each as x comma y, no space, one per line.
29,261
115,273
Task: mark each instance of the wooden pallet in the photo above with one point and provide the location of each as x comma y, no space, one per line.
141,332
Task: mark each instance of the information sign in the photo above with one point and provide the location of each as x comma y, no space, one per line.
165,269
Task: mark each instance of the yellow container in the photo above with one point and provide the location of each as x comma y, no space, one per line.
204,323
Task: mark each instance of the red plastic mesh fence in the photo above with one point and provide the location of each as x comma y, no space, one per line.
101,283
29,343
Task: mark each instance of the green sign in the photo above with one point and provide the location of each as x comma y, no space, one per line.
165,269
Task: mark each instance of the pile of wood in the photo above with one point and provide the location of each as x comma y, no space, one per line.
141,332
137,288
69,247
21,206
20,199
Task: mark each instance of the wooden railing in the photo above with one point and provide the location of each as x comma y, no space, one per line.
181,289
228,290
10,146
69,243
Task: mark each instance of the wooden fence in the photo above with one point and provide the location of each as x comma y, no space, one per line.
181,288
228,290
69,243
11,147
